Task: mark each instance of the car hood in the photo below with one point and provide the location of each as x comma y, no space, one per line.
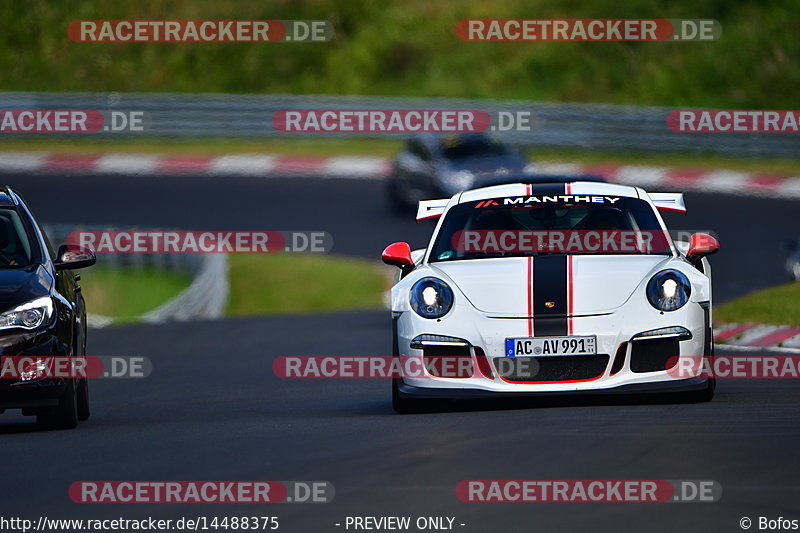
576,285
19,285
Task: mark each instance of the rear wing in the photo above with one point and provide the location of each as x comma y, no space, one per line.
431,209
668,201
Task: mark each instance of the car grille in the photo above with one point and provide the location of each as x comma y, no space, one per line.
654,355
448,361
619,359
559,368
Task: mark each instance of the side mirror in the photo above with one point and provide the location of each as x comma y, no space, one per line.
72,257
701,245
398,254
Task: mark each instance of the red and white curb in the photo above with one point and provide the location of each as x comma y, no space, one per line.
682,179
365,167
758,335
255,165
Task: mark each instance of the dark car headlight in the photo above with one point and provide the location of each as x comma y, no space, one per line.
431,298
669,290
29,315
458,180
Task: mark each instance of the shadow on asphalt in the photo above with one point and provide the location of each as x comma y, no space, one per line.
454,406
22,427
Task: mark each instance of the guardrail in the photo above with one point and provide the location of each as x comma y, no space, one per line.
555,125
205,298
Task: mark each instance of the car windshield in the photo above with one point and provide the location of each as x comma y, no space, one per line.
460,148
15,244
529,226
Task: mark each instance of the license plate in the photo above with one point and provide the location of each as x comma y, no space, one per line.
550,346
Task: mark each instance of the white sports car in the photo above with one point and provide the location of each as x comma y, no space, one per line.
548,289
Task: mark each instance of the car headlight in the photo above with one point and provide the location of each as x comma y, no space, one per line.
459,180
431,298
669,290
29,315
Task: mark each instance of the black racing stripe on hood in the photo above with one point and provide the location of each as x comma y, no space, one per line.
550,287
550,282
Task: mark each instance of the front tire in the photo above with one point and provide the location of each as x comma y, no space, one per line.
66,413
705,395
408,405
84,412
399,202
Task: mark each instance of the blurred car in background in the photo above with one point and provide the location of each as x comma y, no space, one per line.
433,166
793,260
536,177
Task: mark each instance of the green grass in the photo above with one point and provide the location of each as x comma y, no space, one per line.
126,294
171,146
302,283
409,48
777,305
260,284
382,148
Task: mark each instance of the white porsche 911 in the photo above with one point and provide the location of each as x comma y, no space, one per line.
552,288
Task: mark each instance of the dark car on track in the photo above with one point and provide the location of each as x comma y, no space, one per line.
438,166
42,316
538,177
793,259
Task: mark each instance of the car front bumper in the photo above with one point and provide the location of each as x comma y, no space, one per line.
675,386
14,393
618,368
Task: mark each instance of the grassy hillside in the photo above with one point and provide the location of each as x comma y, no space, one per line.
409,48
126,294
777,305
303,283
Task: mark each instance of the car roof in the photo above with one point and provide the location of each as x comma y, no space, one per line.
528,189
466,135
8,197
434,140
531,177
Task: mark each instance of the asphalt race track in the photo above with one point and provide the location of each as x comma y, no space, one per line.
212,408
